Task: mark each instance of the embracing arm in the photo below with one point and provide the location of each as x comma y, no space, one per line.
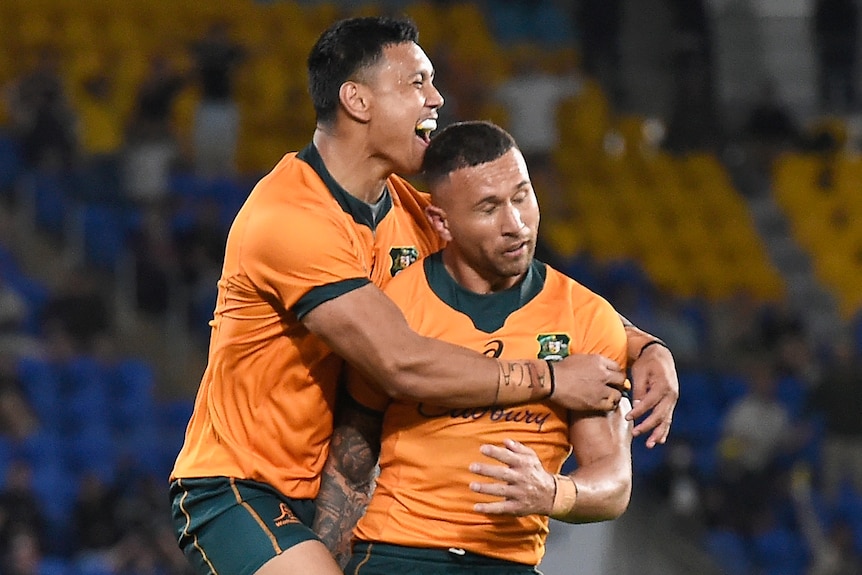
348,476
655,386
369,331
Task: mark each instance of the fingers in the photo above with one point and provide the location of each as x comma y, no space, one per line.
639,377
642,405
491,471
659,422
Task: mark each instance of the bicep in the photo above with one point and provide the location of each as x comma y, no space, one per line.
365,328
599,436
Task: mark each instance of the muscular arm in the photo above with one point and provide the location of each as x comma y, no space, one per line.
348,477
655,386
602,446
368,330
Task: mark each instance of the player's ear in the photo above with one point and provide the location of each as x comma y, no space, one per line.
437,217
355,99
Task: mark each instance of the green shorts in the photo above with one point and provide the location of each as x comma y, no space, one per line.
384,559
234,526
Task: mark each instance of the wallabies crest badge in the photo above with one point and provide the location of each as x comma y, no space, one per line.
401,258
553,346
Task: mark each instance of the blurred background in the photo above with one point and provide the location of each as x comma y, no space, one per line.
698,164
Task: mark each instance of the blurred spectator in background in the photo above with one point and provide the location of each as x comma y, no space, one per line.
41,117
17,420
771,121
101,136
14,311
838,399
152,148
466,90
20,511
830,541
24,555
531,95
732,335
597,26
769,129
156,262
836,35
216,122
77,319
200,247
757,432
676,329
694,123
94,523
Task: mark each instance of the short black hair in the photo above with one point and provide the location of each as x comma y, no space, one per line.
462,145
347,47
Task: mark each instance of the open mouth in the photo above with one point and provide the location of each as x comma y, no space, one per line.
424,129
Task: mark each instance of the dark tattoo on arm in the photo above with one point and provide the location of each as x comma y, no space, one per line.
348,478
519,374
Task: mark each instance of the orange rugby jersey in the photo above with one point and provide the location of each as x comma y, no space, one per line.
422,498
263,410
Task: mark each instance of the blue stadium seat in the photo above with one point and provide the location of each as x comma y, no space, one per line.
90,452
55,565
51,198
132,393
41,384
698,415
780,551
85,395
730,550
105,231
56,489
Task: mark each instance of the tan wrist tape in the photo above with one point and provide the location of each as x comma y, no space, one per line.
565,497
523,380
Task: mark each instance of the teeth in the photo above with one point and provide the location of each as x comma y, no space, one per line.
428,125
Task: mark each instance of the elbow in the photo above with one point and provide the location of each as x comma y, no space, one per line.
619,502
397,377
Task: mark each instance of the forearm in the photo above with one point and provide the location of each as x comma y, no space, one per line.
370,332
636,339
438,372
601,492
600,488
348,476
340,505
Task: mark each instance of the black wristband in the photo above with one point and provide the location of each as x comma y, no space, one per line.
653,342
551,377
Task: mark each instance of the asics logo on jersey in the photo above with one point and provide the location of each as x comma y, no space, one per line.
286,516
494,348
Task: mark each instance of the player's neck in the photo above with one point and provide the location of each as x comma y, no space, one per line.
359,174
473,280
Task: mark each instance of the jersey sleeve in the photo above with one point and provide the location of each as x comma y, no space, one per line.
604,332
302,258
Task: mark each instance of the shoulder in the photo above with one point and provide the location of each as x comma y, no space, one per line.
404,192
587,305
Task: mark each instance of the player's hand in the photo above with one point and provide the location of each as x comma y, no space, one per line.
656,389
522,483
588,382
